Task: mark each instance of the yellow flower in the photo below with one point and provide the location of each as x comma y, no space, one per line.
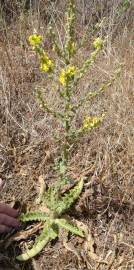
46,63
62,77
34,40
47,66
50,64
98,43
71,71
67,75
91,122
44,67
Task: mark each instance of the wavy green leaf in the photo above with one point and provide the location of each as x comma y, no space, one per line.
68,199
69,226
36,216
49,199
46,235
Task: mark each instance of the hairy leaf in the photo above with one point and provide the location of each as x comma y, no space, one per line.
46,235
68,199
69,227
50,198
36,216
51,230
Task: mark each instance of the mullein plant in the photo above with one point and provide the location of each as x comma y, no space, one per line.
66,80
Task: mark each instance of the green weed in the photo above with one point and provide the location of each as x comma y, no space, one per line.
64,79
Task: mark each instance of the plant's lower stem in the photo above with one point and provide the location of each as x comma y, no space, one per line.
66,125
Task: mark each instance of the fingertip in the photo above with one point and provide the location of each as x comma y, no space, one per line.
6,209
13,212
4,229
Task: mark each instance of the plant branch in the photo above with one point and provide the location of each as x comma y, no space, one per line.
45,107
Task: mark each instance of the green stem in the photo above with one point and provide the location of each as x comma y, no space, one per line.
66,125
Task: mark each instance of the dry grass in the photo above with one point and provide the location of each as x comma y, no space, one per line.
104,157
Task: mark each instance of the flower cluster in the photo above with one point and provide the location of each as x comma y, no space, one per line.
34,40
98,43
90,122
46,63
67,75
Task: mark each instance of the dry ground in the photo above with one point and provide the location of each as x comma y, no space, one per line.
104,157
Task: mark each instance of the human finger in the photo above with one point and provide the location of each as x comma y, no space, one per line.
8,221
5,209
4,228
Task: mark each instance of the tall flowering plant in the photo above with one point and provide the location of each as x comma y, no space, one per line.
66,80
